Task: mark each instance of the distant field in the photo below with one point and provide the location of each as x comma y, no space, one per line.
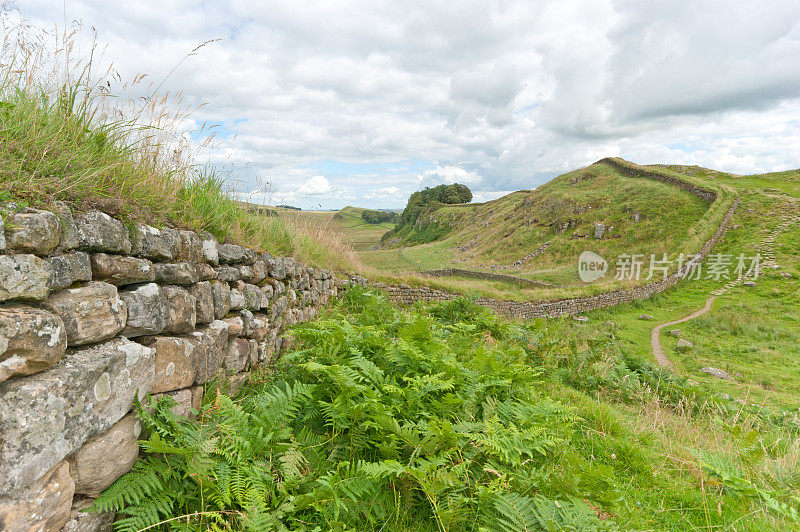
356,232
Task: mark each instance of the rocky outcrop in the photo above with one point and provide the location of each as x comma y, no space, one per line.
93,316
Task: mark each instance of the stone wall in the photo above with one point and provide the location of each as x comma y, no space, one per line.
405,294
94,313
449,272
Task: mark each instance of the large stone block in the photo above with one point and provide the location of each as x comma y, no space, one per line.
105,457
211,343
148,310
189,247
228,273
222,298
152,243
176,362
32,231
204,271
44,506
98,231
257,272
238,301
48,416
276,268
234,254
90,313
120,270
180,273
203,294
255,299
182,310
31,340
68,269
24,277
237,355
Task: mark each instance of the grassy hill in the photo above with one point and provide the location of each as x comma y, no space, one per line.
597,208
346,222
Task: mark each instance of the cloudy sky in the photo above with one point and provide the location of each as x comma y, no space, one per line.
335,103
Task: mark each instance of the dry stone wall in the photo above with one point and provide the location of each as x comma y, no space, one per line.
93,314
450,272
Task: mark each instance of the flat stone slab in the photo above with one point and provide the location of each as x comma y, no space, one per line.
31,340
90,313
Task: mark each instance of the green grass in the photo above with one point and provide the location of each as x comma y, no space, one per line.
449,418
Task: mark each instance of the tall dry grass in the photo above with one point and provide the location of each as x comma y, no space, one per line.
71,133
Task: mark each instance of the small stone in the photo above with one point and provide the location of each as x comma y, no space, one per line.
715,372
222,298
98,231
675,332
238,301
210,249
228,274
44,506
211,344
24,277
684,345
68,269
749,283
148,310
182,310
32,231
258,272
69,232
204,272
599,231
254,297
645,317
234,254
90,313
120,270
203,294
81,520
181,273
105,457
31,340
238,355
276,269
584,319
189,248
235,326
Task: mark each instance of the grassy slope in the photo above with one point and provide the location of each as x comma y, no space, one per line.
564,211
752,333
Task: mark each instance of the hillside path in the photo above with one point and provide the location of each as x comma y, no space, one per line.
767,251
655,334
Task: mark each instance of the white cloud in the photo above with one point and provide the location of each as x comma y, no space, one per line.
316,186
499,95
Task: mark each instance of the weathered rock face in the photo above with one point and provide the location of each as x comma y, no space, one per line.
91,313
68,269
69,232
24,277
152,243
32,231
221,293
182,310
210,250
189,247
105,457
97,231
204,297
43,506
148,310
180,273
176,363
120,270
233,254
237,355
48,416
31,340
211,343
82,521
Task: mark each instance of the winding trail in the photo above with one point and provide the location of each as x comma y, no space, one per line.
655,334
767,251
